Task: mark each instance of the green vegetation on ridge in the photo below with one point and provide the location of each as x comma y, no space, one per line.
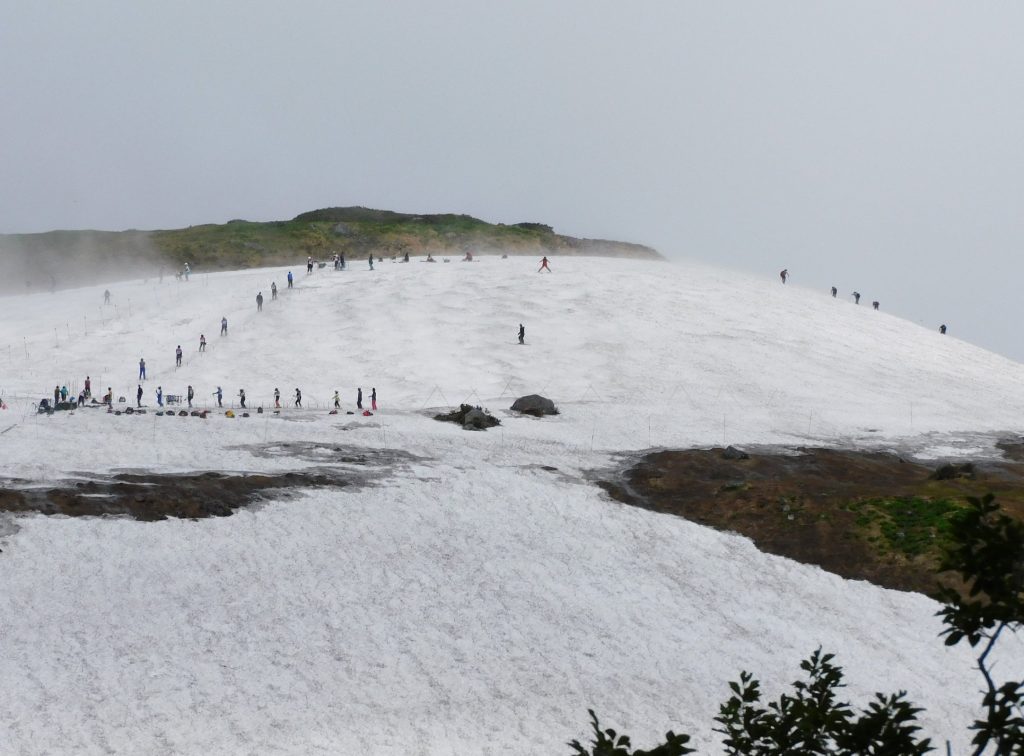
49,260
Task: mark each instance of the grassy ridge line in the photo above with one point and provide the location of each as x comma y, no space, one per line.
58,259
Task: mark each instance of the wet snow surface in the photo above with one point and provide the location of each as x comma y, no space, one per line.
468,599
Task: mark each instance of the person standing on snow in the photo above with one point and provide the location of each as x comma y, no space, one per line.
359,398
220,396
63,393
373,399
371,261
298,398
875,304
942,328
159,396
106,296
191,394
341,261
241,397
138,396
544,265
142,369
834,292
177,356
259,302
202,343
223,326
273,291
309,265
856,297
88,387
337,400
522,334
289,279
277,398
56,395
784,274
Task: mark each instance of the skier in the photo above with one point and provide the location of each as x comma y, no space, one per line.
856,297
544,265
942,328
337,400
259,302
220,396
202,343
63,393
371,261
223,326
359,399
177,356
273,290
522,334
277,398
289,279
373,399
834,292
106,296
191,394
88,387
142,369
875,304
138,396
298,398
159,396
309,265
784,274
241,397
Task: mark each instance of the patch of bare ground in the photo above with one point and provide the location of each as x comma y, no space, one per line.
862,515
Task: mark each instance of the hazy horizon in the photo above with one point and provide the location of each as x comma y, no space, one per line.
872,147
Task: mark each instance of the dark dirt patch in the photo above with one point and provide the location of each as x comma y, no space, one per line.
863,515
158,497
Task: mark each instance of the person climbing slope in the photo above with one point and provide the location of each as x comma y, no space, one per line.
834,292
784,274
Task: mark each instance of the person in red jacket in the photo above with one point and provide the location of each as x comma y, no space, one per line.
544,265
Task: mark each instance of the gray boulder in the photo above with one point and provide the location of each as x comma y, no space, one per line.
535,405
731,452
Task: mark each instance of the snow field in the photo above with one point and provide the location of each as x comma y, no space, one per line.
471,601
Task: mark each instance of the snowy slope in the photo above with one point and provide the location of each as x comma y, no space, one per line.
472,601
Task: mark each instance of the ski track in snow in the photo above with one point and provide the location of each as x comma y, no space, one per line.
470,602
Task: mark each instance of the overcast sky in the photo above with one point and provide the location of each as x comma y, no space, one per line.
875,146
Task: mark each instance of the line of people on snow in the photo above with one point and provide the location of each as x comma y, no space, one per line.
784,275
